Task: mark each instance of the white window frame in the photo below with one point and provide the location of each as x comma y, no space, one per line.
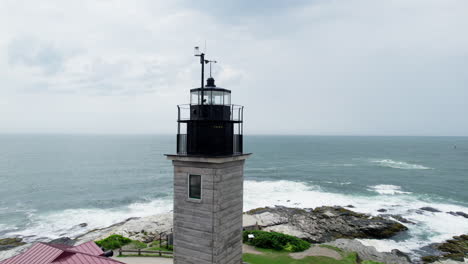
188,188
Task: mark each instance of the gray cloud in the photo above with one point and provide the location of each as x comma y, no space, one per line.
29,52
308,67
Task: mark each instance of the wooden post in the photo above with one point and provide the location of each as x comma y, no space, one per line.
120,251
139,252
160,253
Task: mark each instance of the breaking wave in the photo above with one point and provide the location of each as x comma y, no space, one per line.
66,223
388,163
387,189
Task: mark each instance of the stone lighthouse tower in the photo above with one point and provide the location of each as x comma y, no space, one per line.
208,176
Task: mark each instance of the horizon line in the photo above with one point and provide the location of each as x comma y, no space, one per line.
252,134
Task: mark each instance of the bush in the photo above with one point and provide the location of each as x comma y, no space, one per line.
113,242
277,241
138,244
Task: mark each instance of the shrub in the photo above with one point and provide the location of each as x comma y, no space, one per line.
138,244
277,241
113,242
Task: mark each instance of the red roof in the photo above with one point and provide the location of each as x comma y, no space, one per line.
41,253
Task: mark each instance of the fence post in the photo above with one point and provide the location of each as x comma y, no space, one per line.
139,252
120,252
160,253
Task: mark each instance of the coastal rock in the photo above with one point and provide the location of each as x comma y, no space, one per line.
399,253
430,209
450,261
382,210
370,253
455,249
324,224
9,243
403,220
63,241
458,214
398,218
145,229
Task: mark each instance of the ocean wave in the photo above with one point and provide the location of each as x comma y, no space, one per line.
340,183
387,189
388,163
66,223
429,227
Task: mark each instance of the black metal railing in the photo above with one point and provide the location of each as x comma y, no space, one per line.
237,144
236,112
182,144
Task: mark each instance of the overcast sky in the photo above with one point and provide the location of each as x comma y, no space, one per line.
326,67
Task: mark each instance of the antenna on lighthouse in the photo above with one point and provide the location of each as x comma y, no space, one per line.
211,61
202,62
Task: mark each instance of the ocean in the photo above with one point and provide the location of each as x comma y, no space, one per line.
49,184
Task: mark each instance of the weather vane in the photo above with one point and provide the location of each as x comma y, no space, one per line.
203,62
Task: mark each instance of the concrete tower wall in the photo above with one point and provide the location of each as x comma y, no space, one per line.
208,230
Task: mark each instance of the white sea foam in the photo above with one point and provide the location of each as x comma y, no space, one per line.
430,227
65,223
387,189
388,163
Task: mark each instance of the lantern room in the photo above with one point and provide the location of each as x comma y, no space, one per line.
210,125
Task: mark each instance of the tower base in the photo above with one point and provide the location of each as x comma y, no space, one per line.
208,230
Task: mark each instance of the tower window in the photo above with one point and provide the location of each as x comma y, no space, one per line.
194,186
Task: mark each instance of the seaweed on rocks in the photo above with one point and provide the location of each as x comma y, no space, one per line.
454,249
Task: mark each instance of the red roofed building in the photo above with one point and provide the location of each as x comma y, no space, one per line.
41,253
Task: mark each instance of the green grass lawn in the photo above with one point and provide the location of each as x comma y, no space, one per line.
282,257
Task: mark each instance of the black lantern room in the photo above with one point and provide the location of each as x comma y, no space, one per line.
210,125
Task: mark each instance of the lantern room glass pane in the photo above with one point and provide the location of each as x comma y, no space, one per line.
217,98
227,98
195,98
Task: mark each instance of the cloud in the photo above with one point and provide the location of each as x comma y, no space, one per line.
301,67
30,52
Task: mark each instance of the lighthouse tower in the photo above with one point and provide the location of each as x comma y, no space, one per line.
208,176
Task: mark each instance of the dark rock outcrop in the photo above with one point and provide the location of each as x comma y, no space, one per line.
430,209
63,241
458,214
9,243
398,218
324,224
454,249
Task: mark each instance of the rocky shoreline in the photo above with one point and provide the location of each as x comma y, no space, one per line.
323,224
335,226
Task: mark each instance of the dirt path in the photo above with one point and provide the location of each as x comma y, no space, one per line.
316,251
250,249
145,260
